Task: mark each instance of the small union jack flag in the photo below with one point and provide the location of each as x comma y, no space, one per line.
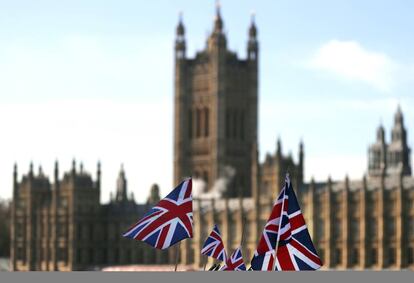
169,222
235,262
214,246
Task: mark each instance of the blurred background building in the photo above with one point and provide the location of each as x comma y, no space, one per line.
358,224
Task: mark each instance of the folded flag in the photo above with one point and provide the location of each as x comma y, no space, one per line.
168,222
264,256
295,250
214,246
235,262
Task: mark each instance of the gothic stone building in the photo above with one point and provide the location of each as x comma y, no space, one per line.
62,225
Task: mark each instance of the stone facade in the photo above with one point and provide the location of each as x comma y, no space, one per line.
62,225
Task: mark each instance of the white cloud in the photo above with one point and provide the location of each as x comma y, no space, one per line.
351,61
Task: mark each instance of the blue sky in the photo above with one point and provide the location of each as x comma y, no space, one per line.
94,80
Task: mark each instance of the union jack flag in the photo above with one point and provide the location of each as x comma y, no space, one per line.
169,222
295,250
214,246
235,262
264,256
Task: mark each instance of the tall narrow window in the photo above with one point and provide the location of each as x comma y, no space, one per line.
198,123
391,256
338,256
242,124
411,255
227,123
91,256
206,122
190,123
374,256
234,134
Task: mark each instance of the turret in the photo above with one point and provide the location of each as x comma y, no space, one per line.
398,151
154,196
121,187
56,171
301,165
15,180
98,175
73,166
31,170
217,39
180,45
252,44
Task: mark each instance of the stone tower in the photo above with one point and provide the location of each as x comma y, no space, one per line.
216,101
398,150
394,158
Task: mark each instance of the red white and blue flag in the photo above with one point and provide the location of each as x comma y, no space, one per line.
235,262
214,246
295,250
168,222
264,256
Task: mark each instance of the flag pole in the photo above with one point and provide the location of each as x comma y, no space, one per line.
280,222
205,262
243,223
177,251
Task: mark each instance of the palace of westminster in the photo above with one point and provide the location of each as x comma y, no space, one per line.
60,224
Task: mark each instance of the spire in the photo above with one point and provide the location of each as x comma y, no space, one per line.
381,133
56,171
154,196
15,173
121,190
252,44
180,38
279,146
98,175
73,166
252,29
31,169
217,40
40,172
301,147
398,118
398,131
180,27
218,21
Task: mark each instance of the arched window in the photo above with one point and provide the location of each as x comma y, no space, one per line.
206,122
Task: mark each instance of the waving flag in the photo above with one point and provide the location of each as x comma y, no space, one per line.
169,222
264,255
235,262
295,250
214,246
